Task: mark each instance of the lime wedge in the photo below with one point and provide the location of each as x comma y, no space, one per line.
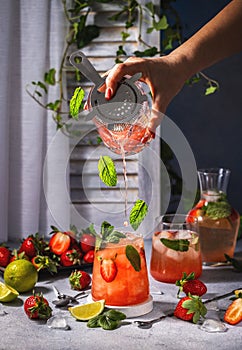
87,311
7,293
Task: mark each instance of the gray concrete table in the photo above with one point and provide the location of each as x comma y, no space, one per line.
17,331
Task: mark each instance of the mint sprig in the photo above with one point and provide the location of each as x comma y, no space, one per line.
107,320
138,213
107,171
108,234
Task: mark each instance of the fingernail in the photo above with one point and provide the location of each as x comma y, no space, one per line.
108,93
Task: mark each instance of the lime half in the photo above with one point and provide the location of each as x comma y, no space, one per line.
7,293
87,311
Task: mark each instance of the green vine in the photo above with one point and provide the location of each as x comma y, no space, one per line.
164,19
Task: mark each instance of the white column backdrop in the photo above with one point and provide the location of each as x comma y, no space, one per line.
31,41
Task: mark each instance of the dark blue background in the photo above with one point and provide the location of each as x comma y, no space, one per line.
212,124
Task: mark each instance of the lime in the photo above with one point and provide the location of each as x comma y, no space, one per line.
21,275
7,293
87,311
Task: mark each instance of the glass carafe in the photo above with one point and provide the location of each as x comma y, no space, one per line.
120,272
218,221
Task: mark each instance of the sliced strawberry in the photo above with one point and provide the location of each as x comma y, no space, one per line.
108,270
233,314
59,242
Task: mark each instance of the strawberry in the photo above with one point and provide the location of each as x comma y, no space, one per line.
197,211
89,257
190,308
59,242
37,307
17,256
233,314
5,255
79,279
108,270
87,242
188,284
28,247
70,257
44,262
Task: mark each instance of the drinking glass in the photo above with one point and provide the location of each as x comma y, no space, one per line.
175,248
120,272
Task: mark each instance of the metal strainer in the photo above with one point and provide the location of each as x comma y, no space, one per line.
124,107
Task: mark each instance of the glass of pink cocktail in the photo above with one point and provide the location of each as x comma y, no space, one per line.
119,271
175,248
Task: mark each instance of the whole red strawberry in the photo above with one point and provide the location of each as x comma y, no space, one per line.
70,257
28,247
190,308
87,242
37,307
89,257
79,279
189,285
5,255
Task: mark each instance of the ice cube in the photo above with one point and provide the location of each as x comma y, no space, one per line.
213,326
58,321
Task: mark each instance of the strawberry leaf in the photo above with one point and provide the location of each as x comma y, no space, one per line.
138,213
107,171
133,257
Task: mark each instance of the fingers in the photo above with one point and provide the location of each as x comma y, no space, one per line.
130,67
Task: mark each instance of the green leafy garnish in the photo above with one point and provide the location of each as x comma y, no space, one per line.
138,213
108,320
108,234
181,245
49,76
219,209
76,102
210,90
107,171
133,257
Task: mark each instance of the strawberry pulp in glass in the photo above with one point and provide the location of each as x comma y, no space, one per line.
120,273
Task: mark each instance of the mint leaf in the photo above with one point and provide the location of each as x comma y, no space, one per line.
115,236
107,323
181,245
76,101
138,213
106,229
115,315
93,322
133,256
107,171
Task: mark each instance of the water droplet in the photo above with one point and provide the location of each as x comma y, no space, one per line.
2,311
58,321
213,326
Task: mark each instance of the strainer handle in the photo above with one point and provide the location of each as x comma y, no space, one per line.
81,62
